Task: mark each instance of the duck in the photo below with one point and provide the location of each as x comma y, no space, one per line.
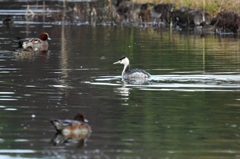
7,21
135,73
38,44
76,128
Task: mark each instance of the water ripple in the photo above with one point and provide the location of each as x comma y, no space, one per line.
17,151
229,82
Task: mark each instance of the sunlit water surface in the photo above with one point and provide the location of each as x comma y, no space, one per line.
188,109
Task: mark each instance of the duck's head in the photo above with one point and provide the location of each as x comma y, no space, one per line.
123,60
44,36
80,117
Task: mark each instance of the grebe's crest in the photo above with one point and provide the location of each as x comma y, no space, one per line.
122,58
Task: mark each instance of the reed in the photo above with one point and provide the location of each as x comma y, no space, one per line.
211,6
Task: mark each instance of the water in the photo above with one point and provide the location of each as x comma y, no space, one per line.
189,108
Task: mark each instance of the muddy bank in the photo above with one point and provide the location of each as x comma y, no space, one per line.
167,15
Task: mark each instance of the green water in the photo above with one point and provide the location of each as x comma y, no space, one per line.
189,109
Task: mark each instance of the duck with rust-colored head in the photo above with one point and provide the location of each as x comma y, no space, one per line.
37,44
77,128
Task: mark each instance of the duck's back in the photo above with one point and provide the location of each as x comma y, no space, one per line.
62,124
34,43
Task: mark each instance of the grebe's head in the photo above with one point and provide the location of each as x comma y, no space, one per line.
123,60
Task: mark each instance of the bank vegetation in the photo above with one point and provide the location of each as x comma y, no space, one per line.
211,6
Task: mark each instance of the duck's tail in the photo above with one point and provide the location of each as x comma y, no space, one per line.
57,125
19,41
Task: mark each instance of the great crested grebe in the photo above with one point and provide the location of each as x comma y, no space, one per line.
135,73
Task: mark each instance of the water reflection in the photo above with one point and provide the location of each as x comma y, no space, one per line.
61,139
123,91
24,55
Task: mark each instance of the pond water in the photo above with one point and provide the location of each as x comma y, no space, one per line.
189,109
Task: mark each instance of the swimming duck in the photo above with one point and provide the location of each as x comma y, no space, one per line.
128,74
7,21
76,128
38,44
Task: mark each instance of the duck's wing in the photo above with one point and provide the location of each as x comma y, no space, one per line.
59,125
34,43
20,41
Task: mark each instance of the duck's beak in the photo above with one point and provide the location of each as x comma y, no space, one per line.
85,120
49,38
117,62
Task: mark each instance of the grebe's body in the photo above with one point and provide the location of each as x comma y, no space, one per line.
128,74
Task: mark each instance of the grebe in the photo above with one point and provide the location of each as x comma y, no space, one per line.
128,74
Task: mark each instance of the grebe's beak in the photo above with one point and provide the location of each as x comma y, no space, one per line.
49,38
118,62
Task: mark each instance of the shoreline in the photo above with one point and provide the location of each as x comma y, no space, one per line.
166,15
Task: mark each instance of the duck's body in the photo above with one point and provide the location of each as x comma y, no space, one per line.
37,44
7,21
70,128
128,74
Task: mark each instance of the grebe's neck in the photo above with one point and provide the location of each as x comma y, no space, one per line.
125,69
